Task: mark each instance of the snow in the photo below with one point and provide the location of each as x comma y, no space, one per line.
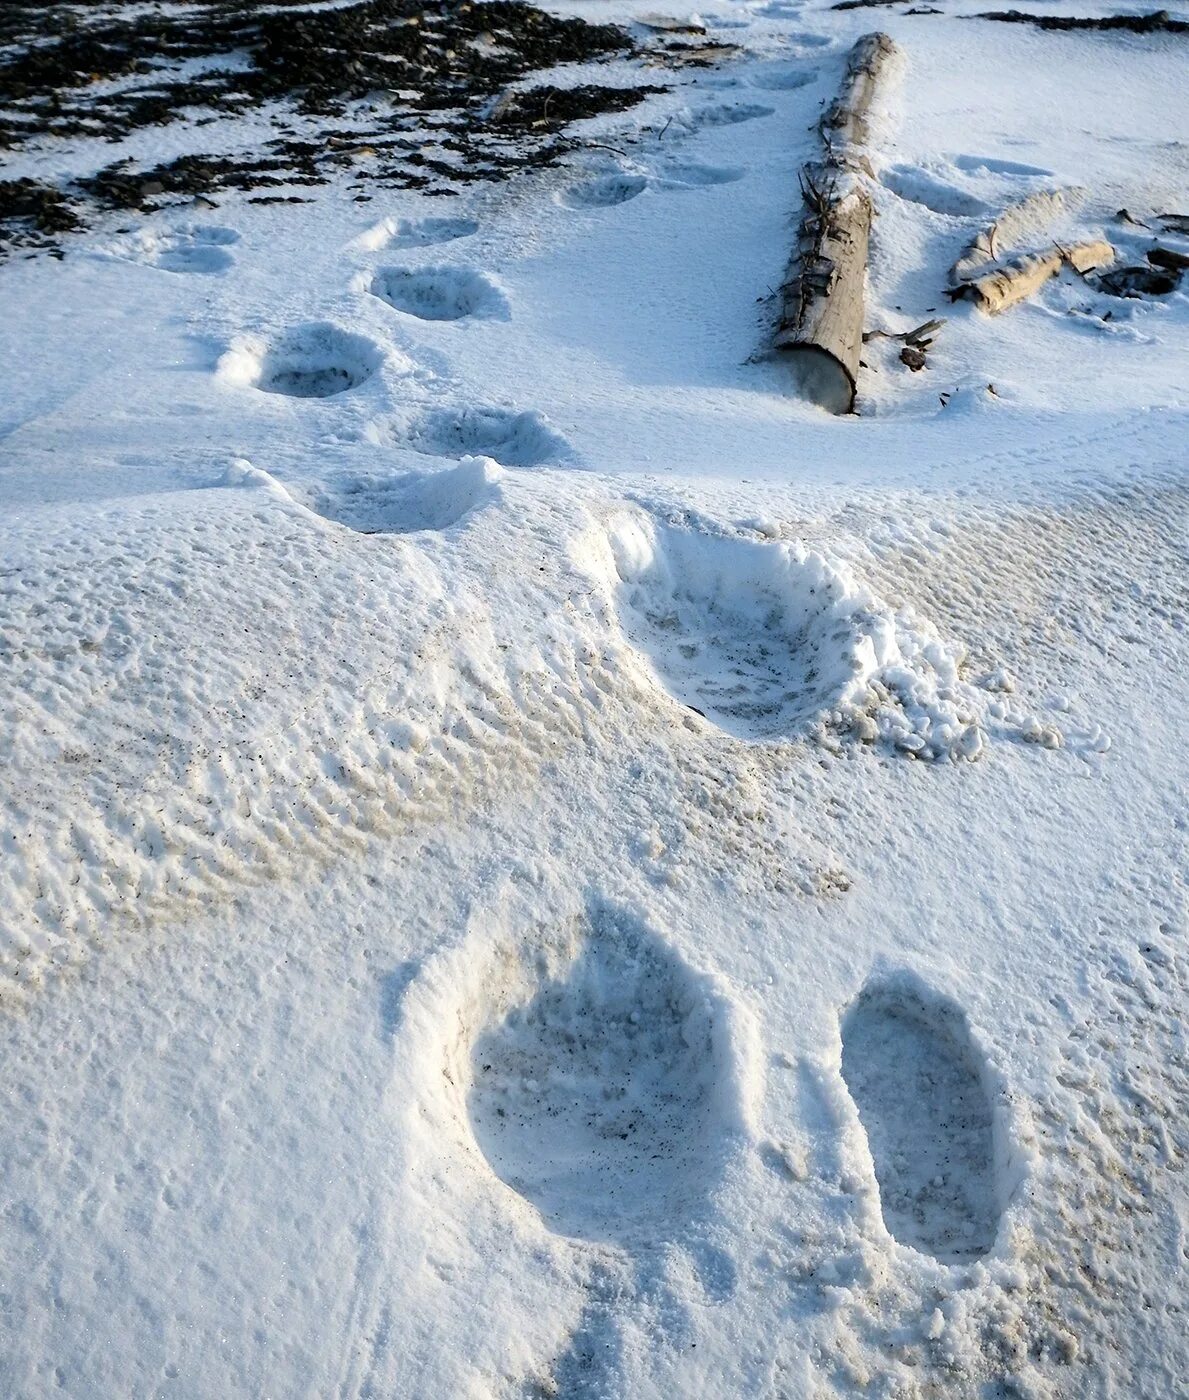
537,863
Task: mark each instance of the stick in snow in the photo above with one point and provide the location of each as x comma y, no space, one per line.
821,316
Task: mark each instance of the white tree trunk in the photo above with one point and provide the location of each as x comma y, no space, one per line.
821,314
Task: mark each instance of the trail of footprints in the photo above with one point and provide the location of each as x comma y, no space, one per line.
320,360
596,1072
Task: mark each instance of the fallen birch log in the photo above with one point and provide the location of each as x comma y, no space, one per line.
1029,216
1008,283
821,312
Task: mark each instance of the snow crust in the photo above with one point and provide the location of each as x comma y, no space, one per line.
535,863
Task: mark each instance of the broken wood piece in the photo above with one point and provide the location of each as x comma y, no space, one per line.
915,342
1009,283
821,314
1174,223
844,125
921,336
1027,217
670,24
1151,281
1168,258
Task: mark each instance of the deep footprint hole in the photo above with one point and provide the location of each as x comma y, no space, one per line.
424,233
605,191
514,439
601,1095
313,361
756,636
411,502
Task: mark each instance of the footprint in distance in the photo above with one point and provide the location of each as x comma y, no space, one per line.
978,165
771,77
691,176
604,191
311,361
515,439
190,248
721,114
417,233
413,501
920,1086
918,185
445,293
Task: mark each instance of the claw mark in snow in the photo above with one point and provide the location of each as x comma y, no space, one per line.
312,361
440,293
919,1085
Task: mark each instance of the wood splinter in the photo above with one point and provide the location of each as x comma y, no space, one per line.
821,314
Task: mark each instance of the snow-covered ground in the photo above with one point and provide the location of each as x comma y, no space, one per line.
536,863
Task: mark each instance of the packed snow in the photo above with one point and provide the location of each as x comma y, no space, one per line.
538,863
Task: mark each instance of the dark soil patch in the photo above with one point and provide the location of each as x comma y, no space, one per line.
401,92
33,214
1157,22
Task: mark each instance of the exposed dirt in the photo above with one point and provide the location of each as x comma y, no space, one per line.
396,91
1157,22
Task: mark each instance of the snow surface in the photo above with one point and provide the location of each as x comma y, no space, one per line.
536,863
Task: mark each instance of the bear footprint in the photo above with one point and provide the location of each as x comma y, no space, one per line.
440,293
312,361
411,502
602,1094
917,1081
